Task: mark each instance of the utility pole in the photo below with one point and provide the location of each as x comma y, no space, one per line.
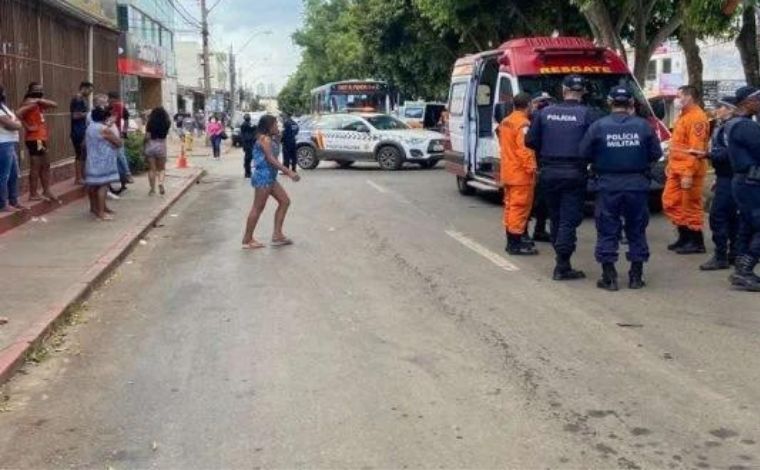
206,58
233,83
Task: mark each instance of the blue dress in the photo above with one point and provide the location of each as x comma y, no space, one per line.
264,174
100,166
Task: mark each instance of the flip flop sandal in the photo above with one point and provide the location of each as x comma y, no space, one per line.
253,246
282,242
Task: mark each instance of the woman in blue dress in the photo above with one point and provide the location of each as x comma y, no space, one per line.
264,182
101,169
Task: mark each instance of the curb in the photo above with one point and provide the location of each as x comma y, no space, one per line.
13,356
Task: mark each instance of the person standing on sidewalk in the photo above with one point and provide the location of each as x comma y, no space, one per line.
289,133
155,148
686,171
724,215
120,117
9,173
101,169
32,114
248,138
214,130
264,180
79,107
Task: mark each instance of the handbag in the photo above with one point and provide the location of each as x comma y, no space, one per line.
223,135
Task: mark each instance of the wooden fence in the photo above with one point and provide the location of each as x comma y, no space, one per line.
39,43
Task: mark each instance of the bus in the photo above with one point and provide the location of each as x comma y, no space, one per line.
352,95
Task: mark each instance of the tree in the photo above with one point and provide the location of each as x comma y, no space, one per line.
746,42
645,24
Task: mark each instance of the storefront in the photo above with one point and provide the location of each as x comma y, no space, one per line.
146,56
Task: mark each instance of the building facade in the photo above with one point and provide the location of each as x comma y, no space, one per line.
58,43
190,78
147,62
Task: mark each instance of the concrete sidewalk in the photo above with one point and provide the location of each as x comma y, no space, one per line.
52,262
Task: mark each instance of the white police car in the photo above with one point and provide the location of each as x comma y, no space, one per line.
369,137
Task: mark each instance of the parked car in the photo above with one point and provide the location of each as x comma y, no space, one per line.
369,137
422,115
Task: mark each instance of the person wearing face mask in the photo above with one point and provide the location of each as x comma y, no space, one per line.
214,130
743,138
32,115
9,137
686,171
724,216
79,107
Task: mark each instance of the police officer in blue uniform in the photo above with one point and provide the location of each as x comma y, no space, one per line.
621,148
539,101
555,134
724,215
743,136
289,133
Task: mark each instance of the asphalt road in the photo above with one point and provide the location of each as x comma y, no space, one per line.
394,334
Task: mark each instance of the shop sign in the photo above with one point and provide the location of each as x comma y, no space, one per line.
137,57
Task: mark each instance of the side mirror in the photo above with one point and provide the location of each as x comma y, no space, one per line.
362,128
501,111
658,108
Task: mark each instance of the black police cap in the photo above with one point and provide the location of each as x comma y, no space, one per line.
574,82
621,94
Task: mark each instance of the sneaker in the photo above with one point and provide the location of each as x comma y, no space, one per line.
112,196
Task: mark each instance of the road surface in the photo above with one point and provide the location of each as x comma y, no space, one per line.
394,334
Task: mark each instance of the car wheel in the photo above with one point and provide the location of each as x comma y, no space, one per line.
307,157
464,188
390,158
345,163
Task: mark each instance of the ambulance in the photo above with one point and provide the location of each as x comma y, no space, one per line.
484,84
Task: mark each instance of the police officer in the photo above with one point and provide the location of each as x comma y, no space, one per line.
743,136
555,135
248,139
289,133
621,148
724,215
539,101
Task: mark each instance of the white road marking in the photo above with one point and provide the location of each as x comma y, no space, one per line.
496,259
379,188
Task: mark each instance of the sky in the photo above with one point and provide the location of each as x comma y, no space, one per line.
268,58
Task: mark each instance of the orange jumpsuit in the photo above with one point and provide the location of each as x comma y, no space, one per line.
691,133
518,171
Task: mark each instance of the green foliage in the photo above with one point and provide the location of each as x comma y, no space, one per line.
412,44
134,148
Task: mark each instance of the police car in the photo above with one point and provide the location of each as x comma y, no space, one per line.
368,137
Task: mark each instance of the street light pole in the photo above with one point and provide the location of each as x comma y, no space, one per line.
233,83
206,64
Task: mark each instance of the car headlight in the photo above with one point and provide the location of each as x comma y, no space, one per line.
415,141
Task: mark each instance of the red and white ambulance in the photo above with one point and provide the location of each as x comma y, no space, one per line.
483,86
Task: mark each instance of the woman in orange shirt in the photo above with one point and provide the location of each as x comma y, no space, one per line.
36,137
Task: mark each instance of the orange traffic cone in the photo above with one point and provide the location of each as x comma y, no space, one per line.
182,158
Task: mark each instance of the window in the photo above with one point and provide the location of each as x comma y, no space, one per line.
652,70
384,122
414,113
353,124
330,123
123,15
457,98
667,65
505,90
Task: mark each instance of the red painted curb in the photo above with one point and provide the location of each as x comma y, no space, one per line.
13,356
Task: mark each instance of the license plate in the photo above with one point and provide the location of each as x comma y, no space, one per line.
437,148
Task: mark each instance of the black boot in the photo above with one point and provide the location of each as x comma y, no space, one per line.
636,276
540,234
682,236
695,243
609,280
565,272
744,277
526,240
716,263
515,246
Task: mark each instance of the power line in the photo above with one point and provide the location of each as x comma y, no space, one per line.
184,14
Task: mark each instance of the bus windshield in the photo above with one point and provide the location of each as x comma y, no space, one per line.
599,86
343,103
351,95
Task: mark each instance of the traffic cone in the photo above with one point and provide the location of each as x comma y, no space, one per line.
182,158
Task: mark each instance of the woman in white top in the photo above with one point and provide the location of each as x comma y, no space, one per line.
9,138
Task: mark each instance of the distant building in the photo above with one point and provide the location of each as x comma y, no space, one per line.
261,89
190,78
147,54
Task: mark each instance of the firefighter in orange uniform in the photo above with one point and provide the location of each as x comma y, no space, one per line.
518,175
687,167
